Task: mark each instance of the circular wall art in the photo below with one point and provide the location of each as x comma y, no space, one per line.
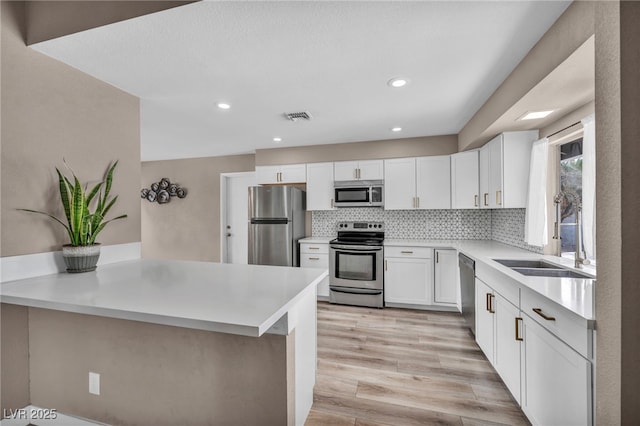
162,191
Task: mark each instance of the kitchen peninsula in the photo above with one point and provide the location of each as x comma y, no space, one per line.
174,342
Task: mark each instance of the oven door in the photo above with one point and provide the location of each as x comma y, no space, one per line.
359,267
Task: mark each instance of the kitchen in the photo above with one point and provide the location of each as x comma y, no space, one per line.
173,234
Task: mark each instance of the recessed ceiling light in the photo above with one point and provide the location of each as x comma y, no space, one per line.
534,115
398,82
222,105
277,140
396,129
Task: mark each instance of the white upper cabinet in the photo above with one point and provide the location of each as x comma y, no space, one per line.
433,182
359,170
400,184
484,177
417,183
504,170
464,180
320,186
290,173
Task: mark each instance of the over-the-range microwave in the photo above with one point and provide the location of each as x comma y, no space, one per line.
358,193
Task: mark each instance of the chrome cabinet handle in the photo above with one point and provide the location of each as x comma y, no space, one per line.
490,303
499,198
314,258
487,302
437,257
486,195
518,337
406,252
314,248
543,315
475,200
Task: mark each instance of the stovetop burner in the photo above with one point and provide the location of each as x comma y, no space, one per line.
360,233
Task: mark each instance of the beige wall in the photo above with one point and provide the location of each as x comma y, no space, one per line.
14,353
157,375
568,33
408,147
187,228
618,246
52,19
51,111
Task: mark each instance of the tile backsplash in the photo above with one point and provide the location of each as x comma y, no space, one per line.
506,226
410,224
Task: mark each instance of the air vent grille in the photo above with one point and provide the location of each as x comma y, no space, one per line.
295,116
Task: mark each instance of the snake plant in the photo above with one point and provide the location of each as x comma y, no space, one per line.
83,225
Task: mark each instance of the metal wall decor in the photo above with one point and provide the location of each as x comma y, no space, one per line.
162,192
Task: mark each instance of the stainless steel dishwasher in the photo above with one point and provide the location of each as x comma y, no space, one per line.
468,290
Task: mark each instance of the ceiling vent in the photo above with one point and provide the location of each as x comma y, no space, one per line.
295,116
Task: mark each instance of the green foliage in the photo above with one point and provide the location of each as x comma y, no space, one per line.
83,226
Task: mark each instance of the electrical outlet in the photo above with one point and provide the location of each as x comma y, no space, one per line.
94,383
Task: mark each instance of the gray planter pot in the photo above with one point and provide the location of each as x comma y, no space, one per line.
81,258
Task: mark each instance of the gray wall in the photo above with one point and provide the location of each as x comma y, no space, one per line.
187,228
51,111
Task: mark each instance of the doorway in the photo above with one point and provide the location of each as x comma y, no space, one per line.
234,216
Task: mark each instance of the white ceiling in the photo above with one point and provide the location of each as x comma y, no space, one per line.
332,59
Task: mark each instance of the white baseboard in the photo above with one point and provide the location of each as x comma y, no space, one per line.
42,417
38,264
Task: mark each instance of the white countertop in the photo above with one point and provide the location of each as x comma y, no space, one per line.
317,240
575,294
237,299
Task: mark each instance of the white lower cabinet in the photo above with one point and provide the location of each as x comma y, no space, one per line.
408,275
523,340
445,287
556,380
316,255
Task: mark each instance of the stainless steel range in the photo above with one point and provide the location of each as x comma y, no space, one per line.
356,259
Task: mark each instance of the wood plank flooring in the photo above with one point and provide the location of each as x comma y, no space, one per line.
404,367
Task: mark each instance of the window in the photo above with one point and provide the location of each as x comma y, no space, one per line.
571,186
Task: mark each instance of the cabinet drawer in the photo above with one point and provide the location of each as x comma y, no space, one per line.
311,260
314,248
565,325
412,252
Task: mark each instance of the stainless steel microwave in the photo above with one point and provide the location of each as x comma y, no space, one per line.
358,193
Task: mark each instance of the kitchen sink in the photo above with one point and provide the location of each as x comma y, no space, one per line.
540,268
523,263
548,272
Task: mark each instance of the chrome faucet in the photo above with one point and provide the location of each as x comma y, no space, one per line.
577,203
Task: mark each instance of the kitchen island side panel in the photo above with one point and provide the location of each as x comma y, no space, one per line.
157,374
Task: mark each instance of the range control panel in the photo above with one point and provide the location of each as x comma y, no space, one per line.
361,226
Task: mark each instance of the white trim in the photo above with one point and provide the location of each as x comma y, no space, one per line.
23,418
223,209
38,264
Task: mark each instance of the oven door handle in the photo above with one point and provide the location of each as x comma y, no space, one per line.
351,290
359,249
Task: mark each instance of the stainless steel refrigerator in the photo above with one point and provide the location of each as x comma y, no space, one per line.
276,224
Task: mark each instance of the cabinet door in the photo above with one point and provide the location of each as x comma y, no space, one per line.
293,173
433,182
371,170
484,319
408,281
267,174
556,380
496,192
345,170
320,186
516,155
400,184
507,348
464,180
484,176
446,277
313,260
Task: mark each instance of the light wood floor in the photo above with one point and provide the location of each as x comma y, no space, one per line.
404,367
